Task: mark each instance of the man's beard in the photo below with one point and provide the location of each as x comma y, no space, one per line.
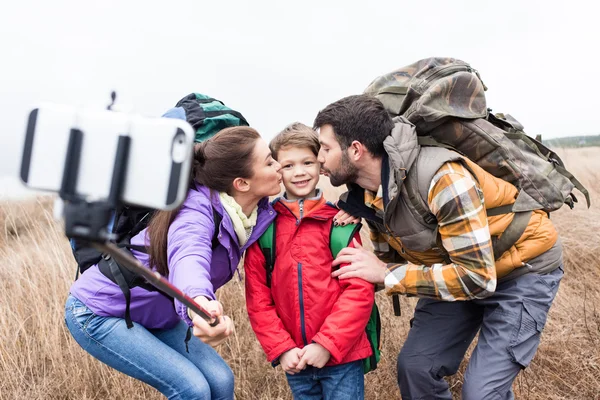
347,173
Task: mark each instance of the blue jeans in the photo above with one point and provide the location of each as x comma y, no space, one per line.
509,323
155,356
343,382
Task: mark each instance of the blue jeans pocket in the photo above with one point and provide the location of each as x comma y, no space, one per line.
526,337
78,312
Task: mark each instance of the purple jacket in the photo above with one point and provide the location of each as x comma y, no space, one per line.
194,267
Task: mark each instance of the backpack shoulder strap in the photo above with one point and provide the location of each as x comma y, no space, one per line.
417,182
217,218
416,186
341,236
267,245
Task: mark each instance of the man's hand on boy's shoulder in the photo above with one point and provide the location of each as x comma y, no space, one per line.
361,263
313,354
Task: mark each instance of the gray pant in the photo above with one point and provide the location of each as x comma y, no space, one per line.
509,324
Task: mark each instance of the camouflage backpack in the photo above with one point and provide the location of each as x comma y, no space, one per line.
444,98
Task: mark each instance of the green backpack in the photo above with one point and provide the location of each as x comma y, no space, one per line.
340,237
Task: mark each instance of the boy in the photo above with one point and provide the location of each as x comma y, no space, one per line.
305,320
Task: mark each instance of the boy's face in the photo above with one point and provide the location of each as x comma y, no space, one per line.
299,171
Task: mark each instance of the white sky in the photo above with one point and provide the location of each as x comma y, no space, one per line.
278,62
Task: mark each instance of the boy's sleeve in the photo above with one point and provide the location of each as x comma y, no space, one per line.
349,316
267,325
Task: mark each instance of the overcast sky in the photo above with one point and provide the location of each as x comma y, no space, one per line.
278,62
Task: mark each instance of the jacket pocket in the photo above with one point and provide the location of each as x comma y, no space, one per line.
526,336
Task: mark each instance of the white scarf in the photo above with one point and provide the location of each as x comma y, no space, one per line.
242,225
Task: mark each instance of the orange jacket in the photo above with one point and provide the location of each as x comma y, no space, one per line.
539,236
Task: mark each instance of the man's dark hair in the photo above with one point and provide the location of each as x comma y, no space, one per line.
360,117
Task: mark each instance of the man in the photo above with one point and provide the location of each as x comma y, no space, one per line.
447,259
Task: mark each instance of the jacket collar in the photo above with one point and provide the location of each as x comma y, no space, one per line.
319,207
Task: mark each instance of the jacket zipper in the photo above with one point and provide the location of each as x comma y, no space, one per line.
301,297
300,293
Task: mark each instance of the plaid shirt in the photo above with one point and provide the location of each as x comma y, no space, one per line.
457,202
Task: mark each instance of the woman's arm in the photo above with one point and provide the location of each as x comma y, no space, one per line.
189,253
269,330
189,256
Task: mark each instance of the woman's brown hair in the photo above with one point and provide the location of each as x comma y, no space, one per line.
217,162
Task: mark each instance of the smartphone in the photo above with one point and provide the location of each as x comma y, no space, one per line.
156,173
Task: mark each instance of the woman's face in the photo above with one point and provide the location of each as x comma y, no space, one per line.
266,177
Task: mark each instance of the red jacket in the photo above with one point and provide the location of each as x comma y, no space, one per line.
305,304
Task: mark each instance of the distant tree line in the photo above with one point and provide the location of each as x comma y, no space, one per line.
573,141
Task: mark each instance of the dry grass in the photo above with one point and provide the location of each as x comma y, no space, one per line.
38,358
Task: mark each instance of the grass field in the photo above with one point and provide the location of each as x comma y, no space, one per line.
39,359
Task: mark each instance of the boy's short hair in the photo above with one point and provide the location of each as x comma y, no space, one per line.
295,135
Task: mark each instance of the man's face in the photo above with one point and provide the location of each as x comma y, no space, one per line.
335,162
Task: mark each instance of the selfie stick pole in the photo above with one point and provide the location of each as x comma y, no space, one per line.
89,220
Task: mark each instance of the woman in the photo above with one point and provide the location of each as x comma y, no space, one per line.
233,175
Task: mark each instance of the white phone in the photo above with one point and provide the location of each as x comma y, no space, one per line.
157,164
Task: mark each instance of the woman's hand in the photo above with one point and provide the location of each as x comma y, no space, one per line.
314,354
289,361
212,335
343,218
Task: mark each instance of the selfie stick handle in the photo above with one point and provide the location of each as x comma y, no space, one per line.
89,220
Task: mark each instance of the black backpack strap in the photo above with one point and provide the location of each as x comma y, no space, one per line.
217,218
396,305
126,280
110,266
267,246
136,247
511,234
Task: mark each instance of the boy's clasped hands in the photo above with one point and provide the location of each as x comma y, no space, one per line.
296,359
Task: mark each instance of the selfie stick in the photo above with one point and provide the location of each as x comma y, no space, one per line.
89,220
154,278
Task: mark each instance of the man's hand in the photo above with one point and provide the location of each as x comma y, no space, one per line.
289,361
361,264
213,336
314,354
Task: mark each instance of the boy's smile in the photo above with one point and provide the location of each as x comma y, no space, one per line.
300,172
